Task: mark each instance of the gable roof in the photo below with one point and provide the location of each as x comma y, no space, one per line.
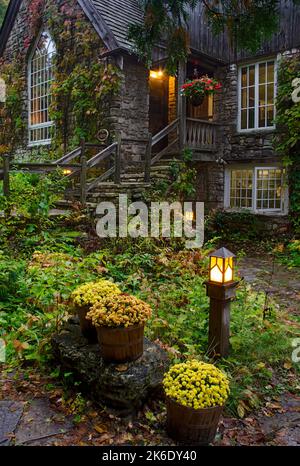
109,18
8,22
118,15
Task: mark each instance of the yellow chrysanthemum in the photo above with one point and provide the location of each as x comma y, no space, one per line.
89,293
119,310
196,384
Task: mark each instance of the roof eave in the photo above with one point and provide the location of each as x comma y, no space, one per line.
99,25
8,22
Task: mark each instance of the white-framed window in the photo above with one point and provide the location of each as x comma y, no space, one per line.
259,189
40,77
257,92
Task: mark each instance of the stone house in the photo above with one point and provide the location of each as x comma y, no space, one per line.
230,135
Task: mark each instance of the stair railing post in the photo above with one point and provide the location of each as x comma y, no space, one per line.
83,173
6,188
118,162
148,154
181,105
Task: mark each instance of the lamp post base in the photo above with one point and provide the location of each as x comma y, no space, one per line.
221,296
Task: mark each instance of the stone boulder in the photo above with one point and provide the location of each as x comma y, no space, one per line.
123,387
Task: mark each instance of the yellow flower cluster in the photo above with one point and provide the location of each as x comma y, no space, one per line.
196,384
89,293
120,310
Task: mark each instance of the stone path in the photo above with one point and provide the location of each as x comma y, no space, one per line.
283,284
31,423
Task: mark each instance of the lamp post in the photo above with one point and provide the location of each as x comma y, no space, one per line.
221,289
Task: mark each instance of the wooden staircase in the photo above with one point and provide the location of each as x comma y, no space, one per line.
132,183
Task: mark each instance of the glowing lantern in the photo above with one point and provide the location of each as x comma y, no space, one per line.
67,171
221,266
156,74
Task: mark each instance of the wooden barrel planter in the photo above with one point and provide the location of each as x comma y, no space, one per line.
192,426
86,326
121,344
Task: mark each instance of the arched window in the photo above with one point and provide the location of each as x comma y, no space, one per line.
40,77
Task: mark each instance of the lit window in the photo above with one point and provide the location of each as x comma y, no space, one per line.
40,79
257,87
258,189
241,189
269,188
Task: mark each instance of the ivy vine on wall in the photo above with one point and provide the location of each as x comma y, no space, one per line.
83,84
287,140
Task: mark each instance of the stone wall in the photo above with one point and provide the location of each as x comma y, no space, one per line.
233,146
20,44
129,111
210,184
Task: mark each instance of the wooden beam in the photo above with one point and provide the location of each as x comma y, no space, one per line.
118,162
181,105
6,188
148,160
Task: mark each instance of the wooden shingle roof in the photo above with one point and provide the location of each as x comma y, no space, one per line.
118,15
110,18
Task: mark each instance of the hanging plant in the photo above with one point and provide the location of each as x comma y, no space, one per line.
196,90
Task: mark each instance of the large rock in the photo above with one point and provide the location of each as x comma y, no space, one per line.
122,387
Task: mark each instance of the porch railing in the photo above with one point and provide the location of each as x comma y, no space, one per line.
201,134
150,159
70,168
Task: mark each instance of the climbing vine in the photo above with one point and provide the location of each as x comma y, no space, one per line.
287,141
12,125
83,84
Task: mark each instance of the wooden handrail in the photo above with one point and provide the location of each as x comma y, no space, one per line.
70,156
102,155
164,132
45,166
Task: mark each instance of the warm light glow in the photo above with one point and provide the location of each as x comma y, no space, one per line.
67,171
156,74
189,216
221,267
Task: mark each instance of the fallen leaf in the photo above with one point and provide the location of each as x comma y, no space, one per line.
121,368
20,346
100,428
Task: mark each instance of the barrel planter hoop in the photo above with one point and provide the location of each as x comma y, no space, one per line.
192,426
86,326
121,344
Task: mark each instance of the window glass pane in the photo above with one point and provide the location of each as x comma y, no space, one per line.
270,94
262,73
244,77
251,118
244,98
257,95
270,115
241,189
244,119
270,72
269,189
251,76
262,117
262,95
41,76
251,96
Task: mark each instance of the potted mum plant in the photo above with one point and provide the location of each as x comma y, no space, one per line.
195,90
120,321
196,393
85,296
